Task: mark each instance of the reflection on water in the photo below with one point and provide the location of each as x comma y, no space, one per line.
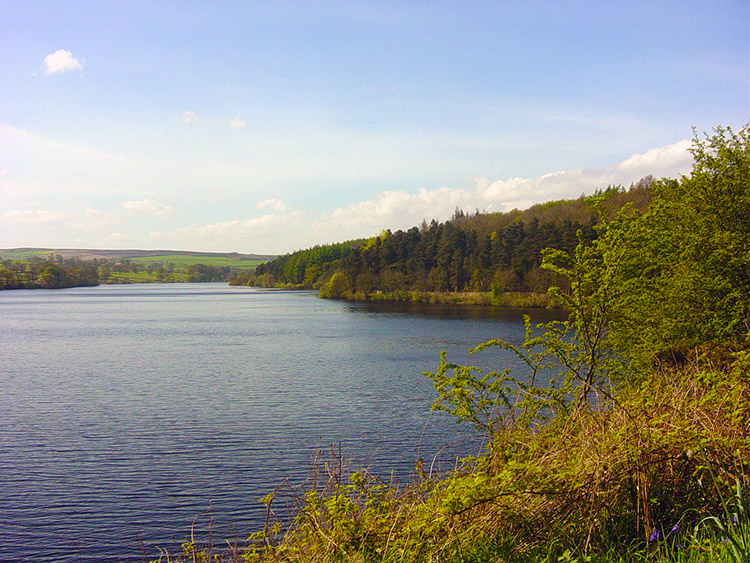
130,410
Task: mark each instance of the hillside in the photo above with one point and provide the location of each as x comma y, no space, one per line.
139,255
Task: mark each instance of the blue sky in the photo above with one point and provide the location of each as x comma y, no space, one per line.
272,126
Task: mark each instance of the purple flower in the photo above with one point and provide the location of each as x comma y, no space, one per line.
676,528
654,535
734,519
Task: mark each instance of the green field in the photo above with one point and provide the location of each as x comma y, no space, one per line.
207,259
142,257
144,277
25,254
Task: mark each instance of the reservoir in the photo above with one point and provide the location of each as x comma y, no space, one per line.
130,413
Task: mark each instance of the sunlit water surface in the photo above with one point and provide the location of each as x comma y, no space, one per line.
127,413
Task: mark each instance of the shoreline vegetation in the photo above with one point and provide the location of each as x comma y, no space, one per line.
515,299
623,436
511,299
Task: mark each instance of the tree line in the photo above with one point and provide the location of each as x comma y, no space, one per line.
165,271
47,274
57,272
481,252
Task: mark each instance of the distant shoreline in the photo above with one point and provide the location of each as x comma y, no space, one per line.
92,254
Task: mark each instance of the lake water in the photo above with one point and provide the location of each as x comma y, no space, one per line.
129,412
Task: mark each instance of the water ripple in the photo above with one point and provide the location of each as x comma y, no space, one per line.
130,411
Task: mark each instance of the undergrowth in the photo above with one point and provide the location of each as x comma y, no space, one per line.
659,476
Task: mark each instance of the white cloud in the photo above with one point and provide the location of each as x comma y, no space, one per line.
39,167
33,217
61,61
245,227
284,230
94,219
4,171
402,209
266,234
187,117
280,228
670,160
237,123
390,210
25,142
147,207
272,203
120,237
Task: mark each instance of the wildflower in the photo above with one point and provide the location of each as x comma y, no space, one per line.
676,528
734,519
654,535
